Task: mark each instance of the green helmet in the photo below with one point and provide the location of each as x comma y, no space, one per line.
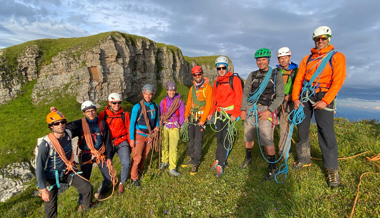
263,53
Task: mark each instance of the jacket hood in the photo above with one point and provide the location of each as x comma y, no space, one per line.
322,51
226,76
291,66
177,95
109,111
206,81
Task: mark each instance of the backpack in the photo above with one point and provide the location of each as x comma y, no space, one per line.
231,81
106,117
52,150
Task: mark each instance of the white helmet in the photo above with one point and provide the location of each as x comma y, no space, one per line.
87,105
148,88
114,97
283,52
322,30
221,60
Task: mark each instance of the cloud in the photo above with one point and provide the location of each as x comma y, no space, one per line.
233,28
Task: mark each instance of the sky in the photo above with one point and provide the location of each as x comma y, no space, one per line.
224,27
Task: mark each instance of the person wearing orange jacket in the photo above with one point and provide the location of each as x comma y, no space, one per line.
118,122
198,106
322,103
227,98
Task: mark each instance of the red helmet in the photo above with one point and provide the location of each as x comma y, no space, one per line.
196,70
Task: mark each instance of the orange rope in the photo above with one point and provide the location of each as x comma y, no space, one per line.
370,159
342,158
98,154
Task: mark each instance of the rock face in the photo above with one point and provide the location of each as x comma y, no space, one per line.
13,178
116,64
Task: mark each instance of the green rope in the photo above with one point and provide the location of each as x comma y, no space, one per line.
231,129
184,134
195,99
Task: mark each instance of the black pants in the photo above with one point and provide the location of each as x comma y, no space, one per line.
326,136
194,151
87,170
222,142
83,187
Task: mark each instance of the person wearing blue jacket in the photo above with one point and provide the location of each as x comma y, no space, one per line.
289,71
139,131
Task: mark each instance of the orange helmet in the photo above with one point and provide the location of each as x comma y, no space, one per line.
55,116
196,70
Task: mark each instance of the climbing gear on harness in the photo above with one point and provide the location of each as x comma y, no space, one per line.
322,30
171,86
114,97
148,88
87,105
300,165
308,88
284,51
231,129
263,53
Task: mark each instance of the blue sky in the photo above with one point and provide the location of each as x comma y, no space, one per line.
233,28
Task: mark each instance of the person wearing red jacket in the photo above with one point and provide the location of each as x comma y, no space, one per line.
226,98
118,122
322,103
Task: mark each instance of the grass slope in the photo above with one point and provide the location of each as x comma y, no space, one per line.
239,193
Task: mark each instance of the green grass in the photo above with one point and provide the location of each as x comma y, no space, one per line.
204,60
172,48
238,193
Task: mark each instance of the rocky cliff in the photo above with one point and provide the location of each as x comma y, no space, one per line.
95,66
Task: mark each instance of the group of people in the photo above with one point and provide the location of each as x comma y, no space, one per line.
268,95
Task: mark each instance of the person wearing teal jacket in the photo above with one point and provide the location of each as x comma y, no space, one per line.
289,71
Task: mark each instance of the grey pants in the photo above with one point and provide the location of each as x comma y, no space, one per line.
326,136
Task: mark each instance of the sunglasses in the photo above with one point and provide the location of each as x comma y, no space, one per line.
59,122
320,37
119,102
221,68
197,75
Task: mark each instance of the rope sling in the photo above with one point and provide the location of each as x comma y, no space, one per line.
154,137
198,105
98,154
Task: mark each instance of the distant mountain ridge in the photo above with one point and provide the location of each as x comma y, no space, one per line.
92,67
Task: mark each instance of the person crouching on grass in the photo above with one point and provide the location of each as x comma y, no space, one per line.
144,120
172,110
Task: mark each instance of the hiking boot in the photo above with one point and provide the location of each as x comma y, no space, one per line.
121,189
219,171
163,165
246,163
173,172
194,170
98,196
81,207
214,165
333,179
136,183
300,165
270,175
186,163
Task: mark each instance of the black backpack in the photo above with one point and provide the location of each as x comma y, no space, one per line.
231,81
